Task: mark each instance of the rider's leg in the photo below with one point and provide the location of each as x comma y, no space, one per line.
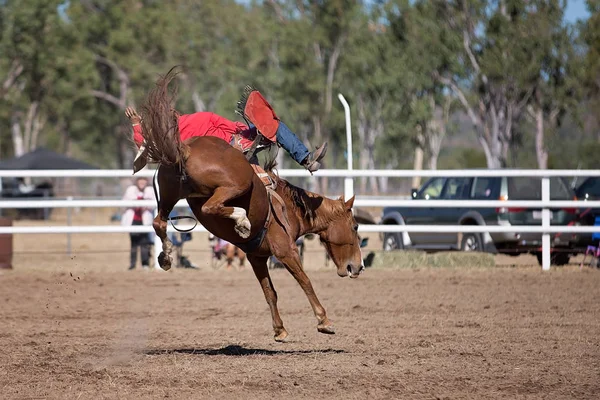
291,143
294,146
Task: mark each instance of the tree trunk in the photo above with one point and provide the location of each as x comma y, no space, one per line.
199,105
316,184
17,134
540,149
384,180
361,130
373,180
418,161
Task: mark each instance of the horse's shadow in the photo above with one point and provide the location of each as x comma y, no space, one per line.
234,350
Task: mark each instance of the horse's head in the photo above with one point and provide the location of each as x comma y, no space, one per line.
341,240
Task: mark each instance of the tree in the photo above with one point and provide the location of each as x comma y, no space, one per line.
312,38
556,87
372,52
590,41
501,56
35,38
126,40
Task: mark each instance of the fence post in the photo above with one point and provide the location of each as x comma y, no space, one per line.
545,224
348,182
69,222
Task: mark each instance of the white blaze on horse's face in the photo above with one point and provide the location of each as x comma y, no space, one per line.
343,243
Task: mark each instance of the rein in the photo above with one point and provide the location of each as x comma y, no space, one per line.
179,217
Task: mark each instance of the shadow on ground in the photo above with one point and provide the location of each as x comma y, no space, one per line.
234,350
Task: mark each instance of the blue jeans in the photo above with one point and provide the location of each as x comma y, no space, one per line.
288,140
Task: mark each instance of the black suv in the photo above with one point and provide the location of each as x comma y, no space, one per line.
589,189
482,188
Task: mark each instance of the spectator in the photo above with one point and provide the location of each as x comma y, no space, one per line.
224,248
139,216
232,252
178,239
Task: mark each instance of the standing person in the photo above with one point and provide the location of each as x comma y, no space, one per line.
231,252
222,248
139,216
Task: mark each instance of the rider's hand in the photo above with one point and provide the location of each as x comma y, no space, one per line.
133,116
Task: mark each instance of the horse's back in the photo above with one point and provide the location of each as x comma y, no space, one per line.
212,162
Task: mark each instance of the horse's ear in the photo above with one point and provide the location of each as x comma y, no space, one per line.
349,203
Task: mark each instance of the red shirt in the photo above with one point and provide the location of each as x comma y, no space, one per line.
137,212
200,124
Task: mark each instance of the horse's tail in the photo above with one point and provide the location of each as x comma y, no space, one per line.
159,124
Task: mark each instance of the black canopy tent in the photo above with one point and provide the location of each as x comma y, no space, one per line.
43,158
39,159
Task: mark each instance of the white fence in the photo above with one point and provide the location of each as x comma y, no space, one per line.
545,204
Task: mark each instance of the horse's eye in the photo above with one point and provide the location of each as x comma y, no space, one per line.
356,228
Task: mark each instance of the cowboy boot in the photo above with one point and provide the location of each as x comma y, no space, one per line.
312,161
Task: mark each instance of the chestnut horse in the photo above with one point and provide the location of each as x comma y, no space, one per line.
231,202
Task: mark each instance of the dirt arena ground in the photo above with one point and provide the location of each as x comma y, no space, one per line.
82,327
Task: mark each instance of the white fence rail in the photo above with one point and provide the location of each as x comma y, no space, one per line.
545,228
357,203
339,173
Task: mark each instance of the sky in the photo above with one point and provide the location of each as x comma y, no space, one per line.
576,10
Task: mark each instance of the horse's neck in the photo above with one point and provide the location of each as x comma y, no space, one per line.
319,215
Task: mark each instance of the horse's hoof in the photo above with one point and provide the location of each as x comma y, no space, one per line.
328,329
242,228
281,336
166,267
164,261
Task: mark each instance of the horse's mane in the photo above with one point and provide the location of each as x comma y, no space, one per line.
308,202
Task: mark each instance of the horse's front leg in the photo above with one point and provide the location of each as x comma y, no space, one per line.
293,264
160,228
169,191
259,265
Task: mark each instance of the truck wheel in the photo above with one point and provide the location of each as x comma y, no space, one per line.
471,242
392,241
555,258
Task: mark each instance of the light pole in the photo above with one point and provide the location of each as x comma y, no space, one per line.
348,182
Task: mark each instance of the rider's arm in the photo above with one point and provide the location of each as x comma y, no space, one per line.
137,135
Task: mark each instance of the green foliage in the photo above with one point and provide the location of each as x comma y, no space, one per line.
83,61
461,158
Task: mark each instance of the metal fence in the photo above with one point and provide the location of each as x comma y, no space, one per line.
545,203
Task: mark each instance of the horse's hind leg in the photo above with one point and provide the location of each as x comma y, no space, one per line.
215,205
259,265
169,191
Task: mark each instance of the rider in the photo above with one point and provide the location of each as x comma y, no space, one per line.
260,113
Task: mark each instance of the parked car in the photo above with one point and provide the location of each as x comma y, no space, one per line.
483,188
589,189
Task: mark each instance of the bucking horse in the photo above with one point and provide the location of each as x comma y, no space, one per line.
263,215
